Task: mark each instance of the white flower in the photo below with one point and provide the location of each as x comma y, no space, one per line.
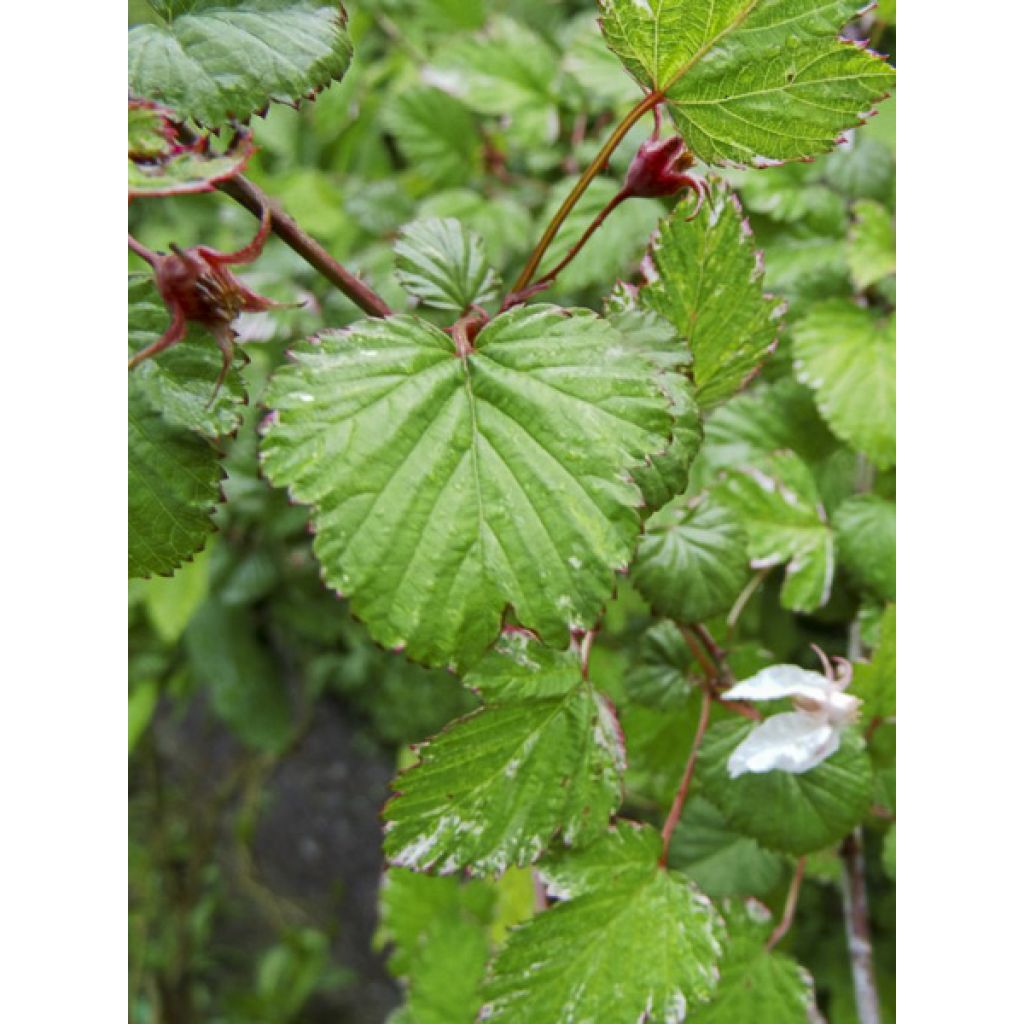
794,741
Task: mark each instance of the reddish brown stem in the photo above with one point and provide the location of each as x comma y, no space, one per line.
255,200
708,667
594,168
684,783
140,250
789,910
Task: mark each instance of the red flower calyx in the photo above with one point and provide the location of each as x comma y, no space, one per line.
197,287
658,169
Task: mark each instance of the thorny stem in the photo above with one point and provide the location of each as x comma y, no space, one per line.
649,102
789,910
858,928
254,199
684,783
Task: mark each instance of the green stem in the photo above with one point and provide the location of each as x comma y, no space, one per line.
650,101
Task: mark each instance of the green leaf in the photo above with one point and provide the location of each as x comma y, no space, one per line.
170,601
438,928
494,788
875,682
866,527
436,134
173,487
444,265
633,942
772,416
159,165
750,81
889,853
180,381
871,247
446,489
757,986
247,690
777,501
218,60
507,72
667,474
503,224
692,561
792,193
782,811
848,357
142,702
722,861
657,677
731,327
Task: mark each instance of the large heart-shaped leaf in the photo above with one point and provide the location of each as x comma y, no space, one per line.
218,60
633,942
750,81
446,488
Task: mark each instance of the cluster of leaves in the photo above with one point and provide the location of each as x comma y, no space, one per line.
720,424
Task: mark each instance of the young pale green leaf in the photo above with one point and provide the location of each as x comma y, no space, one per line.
794,813
866,528
634,942
657,678
180,381
691,562
750,81
159,166
447,488
871,247
848,357
173,487
481,796
731,325
436,134
722,861
218,60
757,986
778,503
444,265
875,682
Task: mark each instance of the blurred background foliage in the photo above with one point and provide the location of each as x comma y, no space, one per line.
263,722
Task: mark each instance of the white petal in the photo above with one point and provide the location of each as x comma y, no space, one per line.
794,741
781,681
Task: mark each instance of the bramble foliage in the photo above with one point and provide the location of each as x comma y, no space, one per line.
551,526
